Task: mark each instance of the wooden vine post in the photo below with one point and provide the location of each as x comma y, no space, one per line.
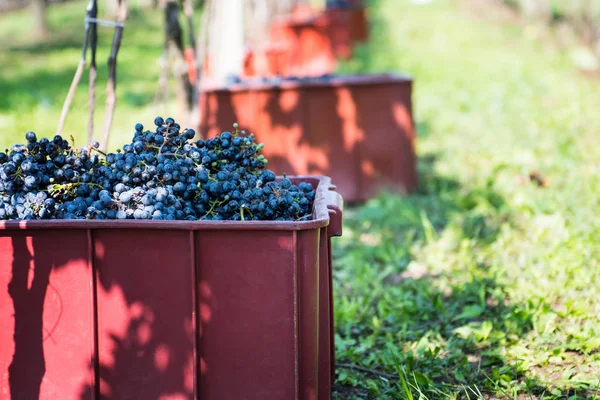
200,57
226,40
175,50
180,60
194,112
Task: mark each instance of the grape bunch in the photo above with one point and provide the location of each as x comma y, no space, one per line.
30,173
162,174
343,4
277,79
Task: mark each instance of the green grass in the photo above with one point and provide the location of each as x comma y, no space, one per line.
560,9
483,284
35,75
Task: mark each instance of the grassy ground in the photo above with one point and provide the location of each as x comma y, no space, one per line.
483,284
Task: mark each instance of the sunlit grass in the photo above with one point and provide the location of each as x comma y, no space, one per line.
483,282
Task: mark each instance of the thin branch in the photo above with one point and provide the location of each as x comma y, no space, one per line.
174,39
70,95
202,47
92,74
78,73
188,10
92,103
194,80
366,370
162,90
201,52
111,94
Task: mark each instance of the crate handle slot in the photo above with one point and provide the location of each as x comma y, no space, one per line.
335,206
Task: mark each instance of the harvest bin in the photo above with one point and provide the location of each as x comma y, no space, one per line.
169,309
310,42
306,43
358,129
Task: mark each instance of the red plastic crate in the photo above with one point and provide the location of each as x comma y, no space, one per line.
313,41
222,310
306,43
357,129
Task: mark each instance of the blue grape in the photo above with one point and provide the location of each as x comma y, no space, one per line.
160,174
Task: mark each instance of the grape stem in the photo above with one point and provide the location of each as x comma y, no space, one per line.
212,207
242,208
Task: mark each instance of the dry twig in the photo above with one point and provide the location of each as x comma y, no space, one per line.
92,87
174,44
78,72
201,53
111,94
366,370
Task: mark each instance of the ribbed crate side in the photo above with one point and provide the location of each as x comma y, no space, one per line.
221,112
308,312
326,350
240,111
357,129
46,298
146,322
386,153
332,134
247,306
278,120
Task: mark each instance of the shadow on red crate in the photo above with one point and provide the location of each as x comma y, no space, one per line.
313,41
357,129
28,292
145,344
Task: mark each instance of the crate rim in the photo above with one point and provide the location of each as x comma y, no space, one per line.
327,203
337,80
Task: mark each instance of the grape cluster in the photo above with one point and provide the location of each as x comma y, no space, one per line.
30,173
343,4
277,79
162,174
